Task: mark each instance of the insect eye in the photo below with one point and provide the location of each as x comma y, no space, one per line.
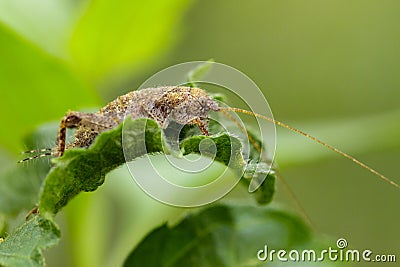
72,119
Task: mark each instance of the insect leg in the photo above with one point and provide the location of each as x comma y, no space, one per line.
202,125
71,120
94,122
33,211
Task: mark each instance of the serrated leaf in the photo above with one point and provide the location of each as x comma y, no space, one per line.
264,182
84,169
24,246
223,235
265,191
81,170
225,146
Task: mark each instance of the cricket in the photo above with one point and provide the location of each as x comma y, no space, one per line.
182,104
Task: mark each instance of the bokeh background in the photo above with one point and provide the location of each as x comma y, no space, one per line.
330,68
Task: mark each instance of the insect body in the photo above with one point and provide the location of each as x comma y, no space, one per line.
184,105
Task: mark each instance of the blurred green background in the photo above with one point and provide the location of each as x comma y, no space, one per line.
329,68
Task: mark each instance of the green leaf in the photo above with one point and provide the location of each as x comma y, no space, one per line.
24,246
112,38
81,170
263,182
264,193
222,235
85,169
45,93
225,146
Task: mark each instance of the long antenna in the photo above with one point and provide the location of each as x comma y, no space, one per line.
334,149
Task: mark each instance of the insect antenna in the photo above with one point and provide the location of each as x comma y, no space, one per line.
334,149
288,189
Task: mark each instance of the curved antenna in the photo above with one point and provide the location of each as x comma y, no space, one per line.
334,149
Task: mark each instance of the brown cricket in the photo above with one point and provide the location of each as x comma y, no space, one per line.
182,104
